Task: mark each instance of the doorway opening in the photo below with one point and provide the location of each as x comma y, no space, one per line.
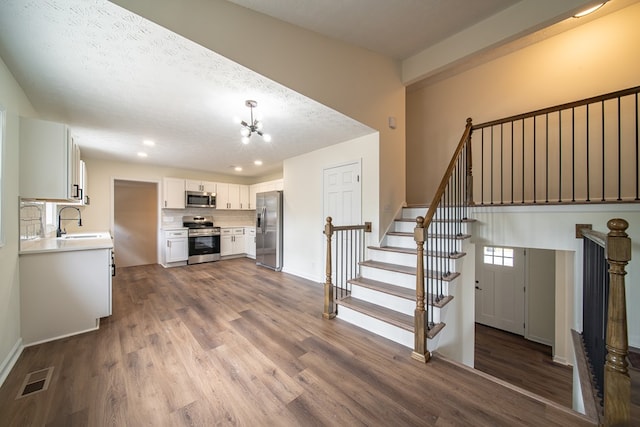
515,320
135,222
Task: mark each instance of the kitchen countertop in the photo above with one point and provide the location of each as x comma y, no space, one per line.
69,242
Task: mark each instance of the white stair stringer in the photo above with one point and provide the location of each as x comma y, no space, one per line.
382,299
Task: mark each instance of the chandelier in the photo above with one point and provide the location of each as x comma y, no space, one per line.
254,126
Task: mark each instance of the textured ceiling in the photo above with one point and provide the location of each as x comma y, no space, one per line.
117,78
395,28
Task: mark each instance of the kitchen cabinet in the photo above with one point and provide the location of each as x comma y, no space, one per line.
49,161
244,197
229,196
232,241
176,247
206,186
63,293
173,193
250,242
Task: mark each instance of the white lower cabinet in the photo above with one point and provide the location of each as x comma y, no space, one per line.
232,241
176,247
63,293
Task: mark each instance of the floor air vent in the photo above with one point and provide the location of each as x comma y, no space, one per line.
35,382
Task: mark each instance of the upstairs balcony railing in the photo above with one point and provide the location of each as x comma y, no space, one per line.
580,152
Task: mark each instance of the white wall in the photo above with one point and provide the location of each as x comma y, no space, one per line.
592,59
553,227
303,199
15,102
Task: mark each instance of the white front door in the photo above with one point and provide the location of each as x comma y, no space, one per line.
343,194
500,288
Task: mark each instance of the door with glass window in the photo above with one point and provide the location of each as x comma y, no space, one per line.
500,288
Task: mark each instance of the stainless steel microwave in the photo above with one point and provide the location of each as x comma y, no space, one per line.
199,199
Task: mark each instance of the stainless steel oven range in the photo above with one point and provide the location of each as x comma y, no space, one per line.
204,239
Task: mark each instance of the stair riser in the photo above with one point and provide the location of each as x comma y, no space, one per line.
389,301
409,243
398,279
386,330
436,227
412,213
410,259
378,327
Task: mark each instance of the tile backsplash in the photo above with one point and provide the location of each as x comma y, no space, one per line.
221,218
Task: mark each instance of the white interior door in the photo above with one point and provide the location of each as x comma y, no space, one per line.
500,284
343,194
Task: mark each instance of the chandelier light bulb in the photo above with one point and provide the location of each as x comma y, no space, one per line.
245,132
258,125
266,137
245,140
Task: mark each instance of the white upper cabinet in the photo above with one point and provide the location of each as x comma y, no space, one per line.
173,192
245,201
49,161
195,185
232,196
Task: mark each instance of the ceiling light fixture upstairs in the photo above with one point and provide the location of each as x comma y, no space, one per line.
588,11
254,126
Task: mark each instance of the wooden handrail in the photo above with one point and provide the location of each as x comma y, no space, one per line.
447,175
560,107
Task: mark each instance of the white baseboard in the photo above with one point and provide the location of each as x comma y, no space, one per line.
9,362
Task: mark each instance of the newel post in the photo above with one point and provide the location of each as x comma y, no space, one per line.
420,351
329,305
617,384
469,171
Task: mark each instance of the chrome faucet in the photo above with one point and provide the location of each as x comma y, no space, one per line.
60,231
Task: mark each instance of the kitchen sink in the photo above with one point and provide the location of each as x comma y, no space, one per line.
81,236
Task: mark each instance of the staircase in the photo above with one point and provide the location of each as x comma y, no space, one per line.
383,298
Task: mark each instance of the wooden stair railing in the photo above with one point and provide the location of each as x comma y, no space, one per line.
346,263
617,382
449,207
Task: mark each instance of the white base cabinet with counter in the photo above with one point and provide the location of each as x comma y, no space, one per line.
63,293
232,241
176,247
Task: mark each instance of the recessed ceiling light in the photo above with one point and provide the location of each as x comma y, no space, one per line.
258,162
148,143
237,169
141,154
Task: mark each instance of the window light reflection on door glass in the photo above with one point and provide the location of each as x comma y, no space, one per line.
498,256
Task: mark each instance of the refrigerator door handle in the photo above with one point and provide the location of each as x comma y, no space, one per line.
264,219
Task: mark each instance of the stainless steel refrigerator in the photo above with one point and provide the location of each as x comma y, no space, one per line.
269,229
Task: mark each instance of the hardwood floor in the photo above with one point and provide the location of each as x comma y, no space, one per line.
526,364
230,343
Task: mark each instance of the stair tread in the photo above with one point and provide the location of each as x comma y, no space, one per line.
414,251
392,317
398,291
430,235
405,269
